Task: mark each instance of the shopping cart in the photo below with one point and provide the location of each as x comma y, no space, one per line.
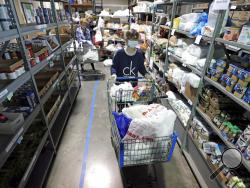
87,53
135,152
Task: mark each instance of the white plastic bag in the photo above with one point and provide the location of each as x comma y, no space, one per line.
154,121
191,17
187,26
98,36
198,51
189,59
200,63
194,80
108,62
177,76
100,23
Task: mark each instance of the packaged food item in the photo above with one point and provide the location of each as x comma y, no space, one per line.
246,97
241,144
230,83
224,79
231,33
243,75
215,74
233,181
232,70
239,90
246,154
12,75
176,23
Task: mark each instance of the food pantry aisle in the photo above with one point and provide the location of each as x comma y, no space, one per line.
86,157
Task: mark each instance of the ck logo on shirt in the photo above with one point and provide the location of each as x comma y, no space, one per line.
129,71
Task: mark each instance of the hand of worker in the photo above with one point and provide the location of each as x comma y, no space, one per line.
113,77
148,76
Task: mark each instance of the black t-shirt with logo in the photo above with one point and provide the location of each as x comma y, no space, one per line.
128,66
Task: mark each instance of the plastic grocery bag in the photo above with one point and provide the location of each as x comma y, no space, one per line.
122,92
135,111
154,121
191,17
202,22
122,123
108,62
197,51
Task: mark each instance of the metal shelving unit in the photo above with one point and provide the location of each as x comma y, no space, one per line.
234,44
230,95
218,132
194,155
38,167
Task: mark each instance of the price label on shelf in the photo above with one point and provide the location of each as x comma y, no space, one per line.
221,4
173,31
233,7
198,39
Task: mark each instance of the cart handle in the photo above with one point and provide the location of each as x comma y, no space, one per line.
128,78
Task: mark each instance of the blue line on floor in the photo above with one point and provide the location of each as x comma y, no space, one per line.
86,147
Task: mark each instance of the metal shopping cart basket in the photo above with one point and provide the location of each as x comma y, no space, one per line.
137,152
87,53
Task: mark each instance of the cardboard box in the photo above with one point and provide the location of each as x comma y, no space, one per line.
239,17
10,65
201,6
190,92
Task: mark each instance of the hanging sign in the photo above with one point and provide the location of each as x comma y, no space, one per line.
221,4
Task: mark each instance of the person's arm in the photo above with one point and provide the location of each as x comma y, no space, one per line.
87,35
142,68
115,64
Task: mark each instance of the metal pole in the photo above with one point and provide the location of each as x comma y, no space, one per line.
174,8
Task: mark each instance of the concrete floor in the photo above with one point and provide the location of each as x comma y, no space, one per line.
86,158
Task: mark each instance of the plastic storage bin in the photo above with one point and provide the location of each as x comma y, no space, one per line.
15,120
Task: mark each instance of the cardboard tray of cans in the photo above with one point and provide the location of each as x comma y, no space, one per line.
52,105
39,50
10,65
45,80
